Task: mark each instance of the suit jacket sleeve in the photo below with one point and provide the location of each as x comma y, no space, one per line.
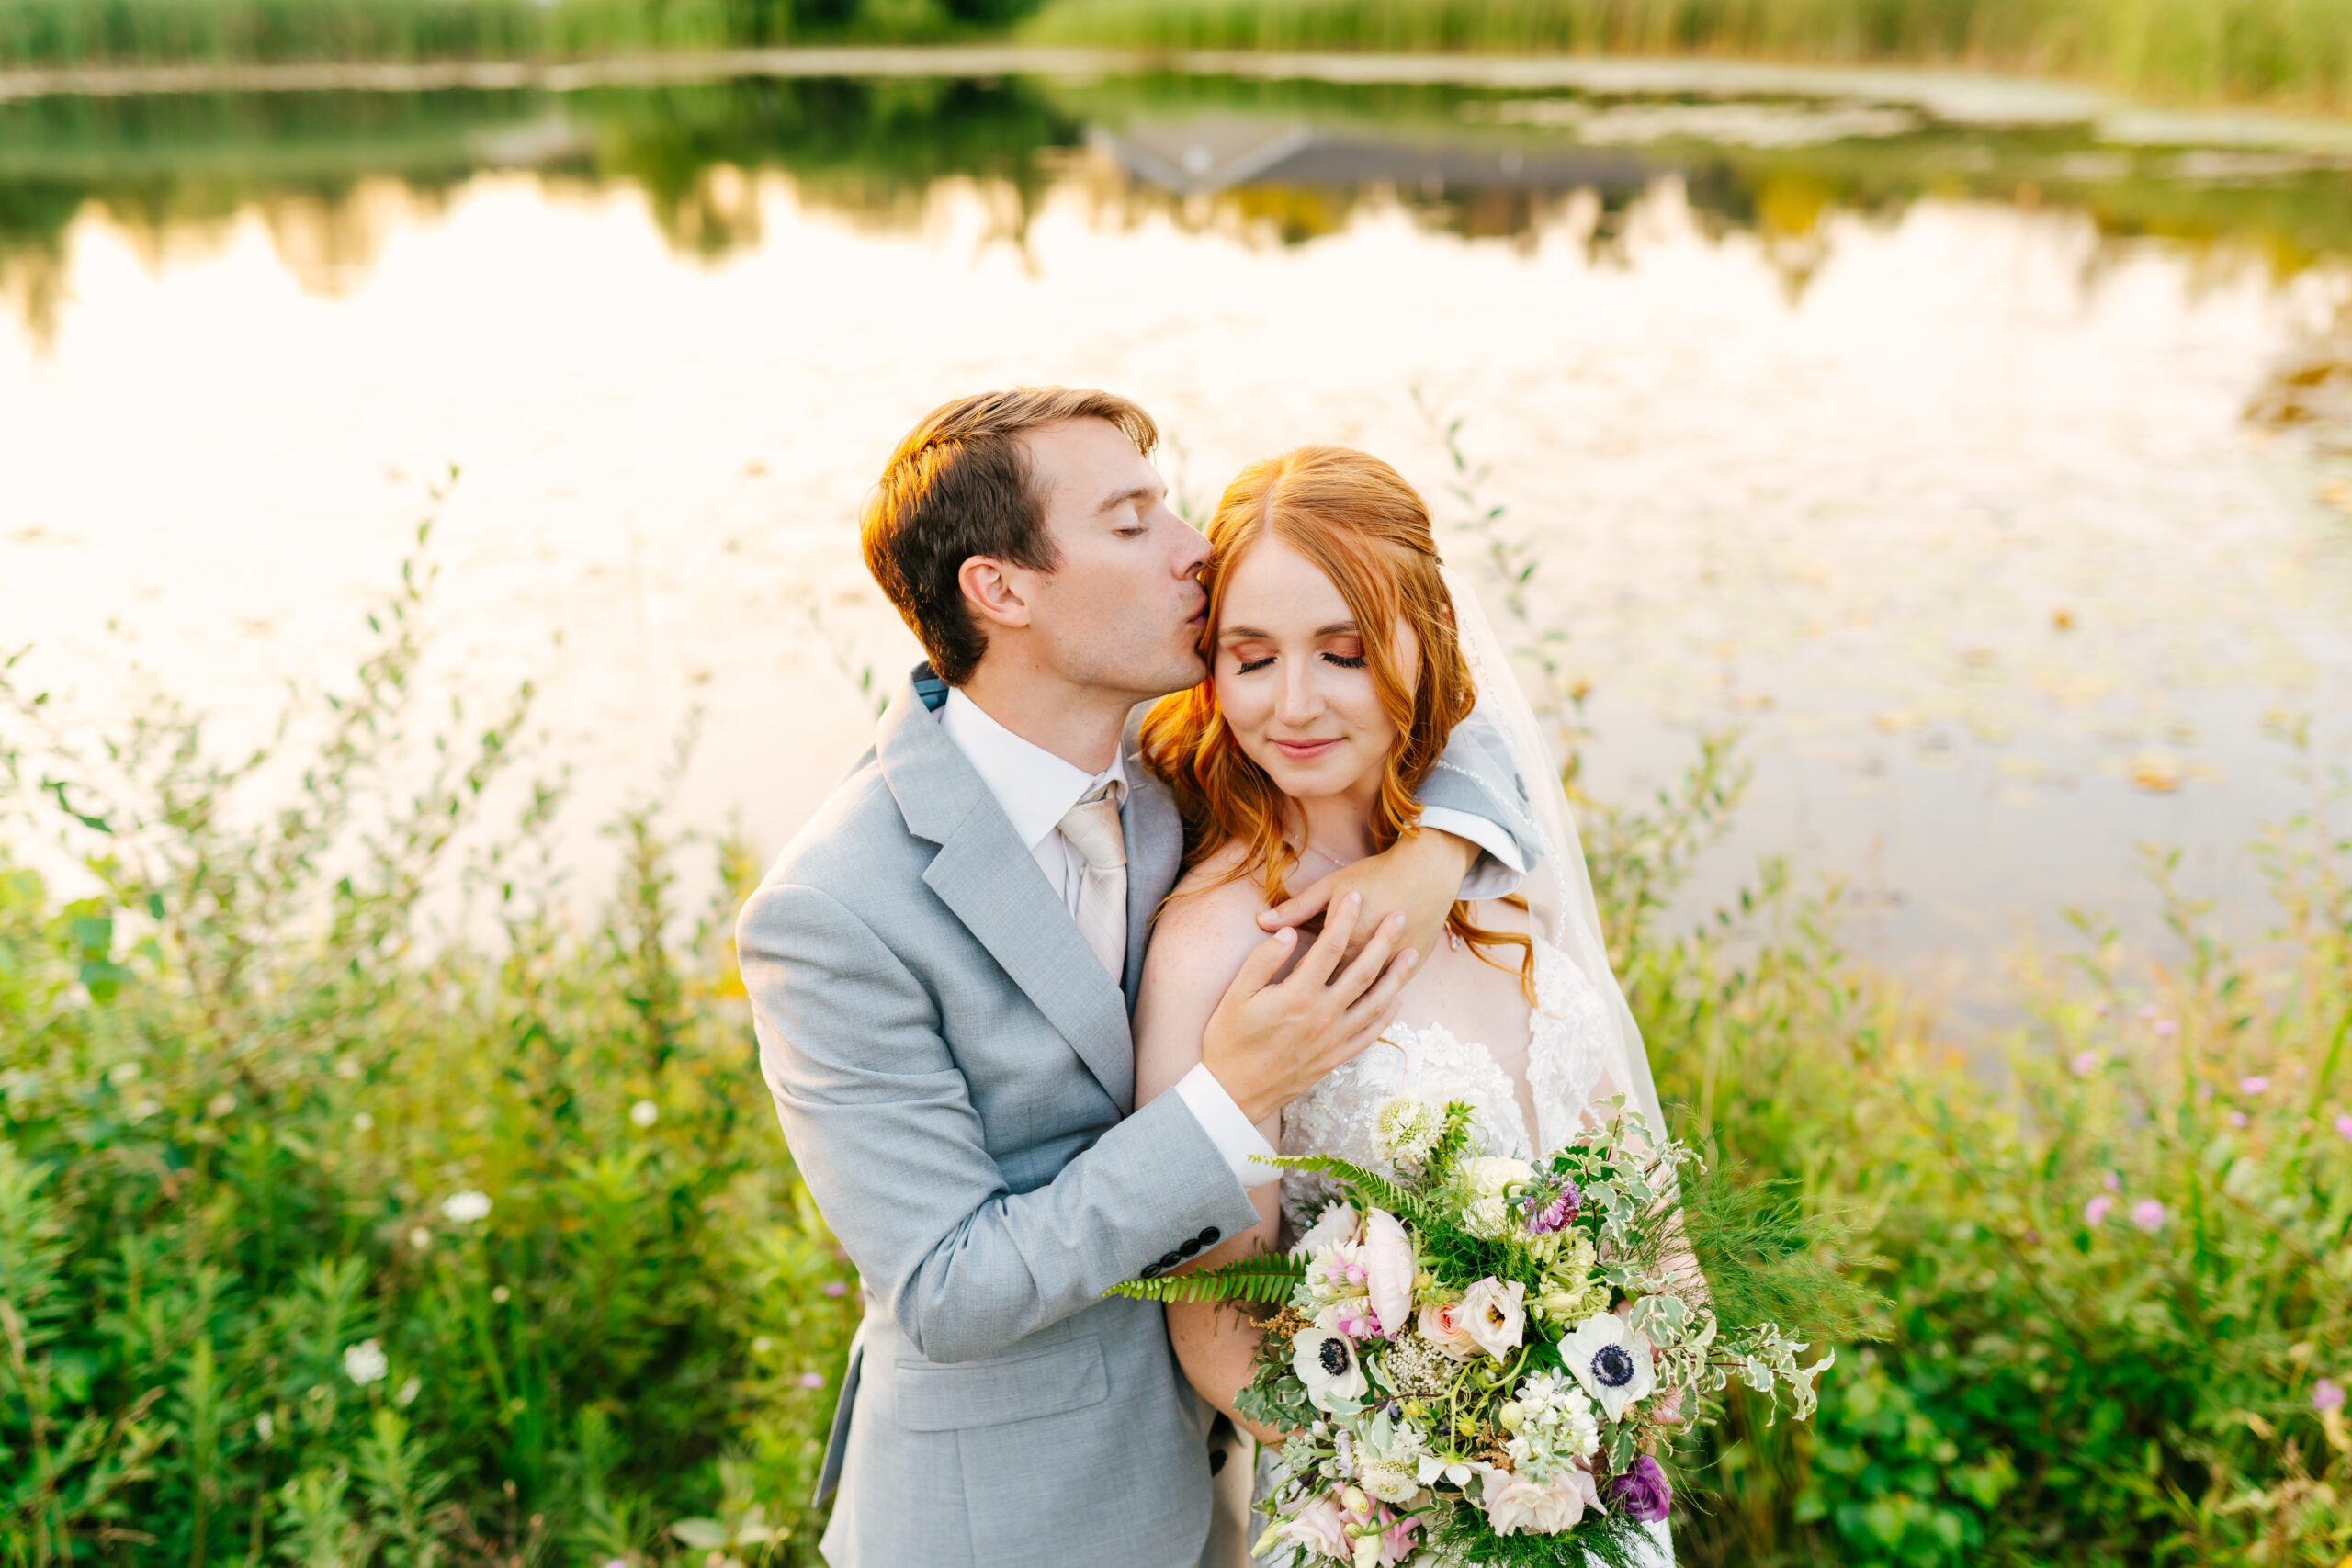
1476,775
880,1120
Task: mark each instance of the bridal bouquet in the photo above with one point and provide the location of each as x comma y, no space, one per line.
1481,1359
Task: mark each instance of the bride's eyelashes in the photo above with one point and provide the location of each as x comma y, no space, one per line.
1344,661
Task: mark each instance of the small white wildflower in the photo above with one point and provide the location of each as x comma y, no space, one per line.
220,1105
763,1344
645,1113
1406,1128
420,1238
364,1363
346,1067
500,1294
144,1108
464,1208
363,1122
123,1074
409,1390
263,1427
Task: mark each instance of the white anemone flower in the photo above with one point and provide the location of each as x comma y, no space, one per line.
1611,1360
464,1208
1326,1361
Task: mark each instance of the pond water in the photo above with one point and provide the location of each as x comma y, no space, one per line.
1995,482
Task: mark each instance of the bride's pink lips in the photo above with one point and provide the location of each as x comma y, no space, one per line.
1305,751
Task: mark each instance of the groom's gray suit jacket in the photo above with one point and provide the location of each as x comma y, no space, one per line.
955,1078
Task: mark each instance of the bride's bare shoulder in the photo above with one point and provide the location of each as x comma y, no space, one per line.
1208,923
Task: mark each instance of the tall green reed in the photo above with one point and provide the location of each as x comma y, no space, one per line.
2293,51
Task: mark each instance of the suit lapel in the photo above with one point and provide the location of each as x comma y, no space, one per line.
987,877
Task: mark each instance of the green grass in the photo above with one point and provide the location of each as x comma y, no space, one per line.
123,32
243,1080
2291,51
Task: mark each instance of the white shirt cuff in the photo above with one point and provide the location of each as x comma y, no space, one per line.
1499,871
1228,1128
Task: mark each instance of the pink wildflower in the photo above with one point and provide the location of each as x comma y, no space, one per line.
2149,1215
2343,1125
2237,1118
2327,1394
2095,1210
2254,1084
812,1379
2085,1064
2164,1026
2112,1182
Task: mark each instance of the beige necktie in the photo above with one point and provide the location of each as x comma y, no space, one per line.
1092,828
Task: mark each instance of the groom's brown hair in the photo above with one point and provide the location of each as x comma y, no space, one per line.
959,486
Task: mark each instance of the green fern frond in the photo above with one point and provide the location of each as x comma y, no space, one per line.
1261,1277
1370,1186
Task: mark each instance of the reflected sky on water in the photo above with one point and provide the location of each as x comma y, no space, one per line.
1920,455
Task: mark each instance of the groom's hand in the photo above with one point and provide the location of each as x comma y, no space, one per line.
1419,875
1268,1042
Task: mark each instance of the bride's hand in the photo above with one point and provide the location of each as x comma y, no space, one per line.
1420,876
1268,1042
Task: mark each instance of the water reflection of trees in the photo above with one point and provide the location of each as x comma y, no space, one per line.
177,170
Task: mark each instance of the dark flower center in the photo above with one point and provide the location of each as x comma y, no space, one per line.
1335,1358
1611,1367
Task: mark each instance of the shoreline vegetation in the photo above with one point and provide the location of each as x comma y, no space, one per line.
2280,54
336,1235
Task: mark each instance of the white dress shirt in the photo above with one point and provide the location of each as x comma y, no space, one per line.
1036,788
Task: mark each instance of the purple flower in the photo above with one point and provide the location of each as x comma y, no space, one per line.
812,1379
2327,1394
2149,1215
836,1288
2094,1211
1641,1491
1550,1210
2254,1084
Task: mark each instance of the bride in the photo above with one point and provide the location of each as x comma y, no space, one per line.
1340,660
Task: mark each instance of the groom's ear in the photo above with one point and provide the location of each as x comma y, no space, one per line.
993,590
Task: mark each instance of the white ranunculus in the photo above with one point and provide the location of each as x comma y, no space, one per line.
464,1208
1335,1225
1611,1360
1493,1176
1326,1361
366,1363
1515,1504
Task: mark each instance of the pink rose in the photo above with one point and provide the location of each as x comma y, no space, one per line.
1448,1328
1496,1316
1665,1408
1321,1528
1515,1504
1388,1271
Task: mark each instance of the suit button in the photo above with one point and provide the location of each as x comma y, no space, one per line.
1153,1270
1191,1247
1209,1235
1170,1258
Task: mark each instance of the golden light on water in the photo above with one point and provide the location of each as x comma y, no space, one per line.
1953,511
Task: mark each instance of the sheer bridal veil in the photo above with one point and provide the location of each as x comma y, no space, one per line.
1558,889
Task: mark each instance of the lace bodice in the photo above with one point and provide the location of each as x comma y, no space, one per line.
1568,1054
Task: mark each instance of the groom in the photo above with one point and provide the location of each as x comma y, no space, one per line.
941,966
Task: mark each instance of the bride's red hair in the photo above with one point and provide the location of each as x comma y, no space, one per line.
1367,530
